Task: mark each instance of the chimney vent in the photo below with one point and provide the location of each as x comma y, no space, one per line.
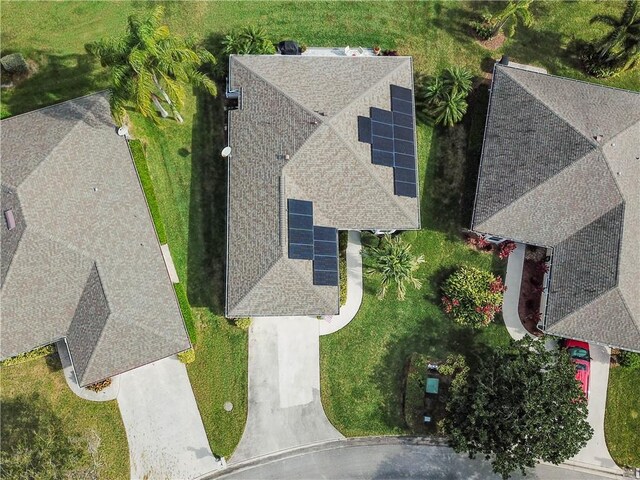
10,219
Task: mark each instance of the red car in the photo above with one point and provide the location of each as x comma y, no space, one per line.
579,353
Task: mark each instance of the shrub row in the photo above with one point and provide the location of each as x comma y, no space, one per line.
343,240
28,356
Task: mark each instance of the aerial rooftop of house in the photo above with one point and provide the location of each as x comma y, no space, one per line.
319,144
561,168
80,258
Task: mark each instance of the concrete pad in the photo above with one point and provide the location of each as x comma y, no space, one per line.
511,298
168,261
595,454
285,410
163,425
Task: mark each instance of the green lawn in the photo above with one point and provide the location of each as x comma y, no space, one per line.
189,177
622,419
81,419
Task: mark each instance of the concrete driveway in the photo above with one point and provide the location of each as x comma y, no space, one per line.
166,437
595,454
284,388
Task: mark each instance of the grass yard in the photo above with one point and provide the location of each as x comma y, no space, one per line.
188,176
622,418
82,419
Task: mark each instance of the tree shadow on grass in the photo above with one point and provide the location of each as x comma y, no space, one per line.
207,210
57,78
549,49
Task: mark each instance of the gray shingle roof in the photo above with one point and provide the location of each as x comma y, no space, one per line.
306,108
86,264
560,167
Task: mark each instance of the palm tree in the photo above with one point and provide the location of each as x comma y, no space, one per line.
393,263
149,65
458,79
515,11
621,47
450,108
248,40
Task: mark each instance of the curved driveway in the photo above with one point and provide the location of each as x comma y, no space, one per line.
355,459
285,410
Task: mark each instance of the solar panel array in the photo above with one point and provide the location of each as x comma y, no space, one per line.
312,242
392,137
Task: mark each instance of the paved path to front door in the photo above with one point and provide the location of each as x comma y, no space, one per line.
285,410
166,437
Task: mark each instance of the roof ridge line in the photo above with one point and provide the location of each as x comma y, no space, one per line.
611,140
592,141
279,90
372,87
99,92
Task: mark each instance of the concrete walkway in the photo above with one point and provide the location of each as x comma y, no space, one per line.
511,298
163,425
330,324
595,454
285,410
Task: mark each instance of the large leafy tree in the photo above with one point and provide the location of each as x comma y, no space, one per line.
519,406
150,67
394,264
34,442
620,49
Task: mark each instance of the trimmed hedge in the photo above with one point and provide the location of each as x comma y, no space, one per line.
185,307
28,356
188,356
140,160
242,323
343,240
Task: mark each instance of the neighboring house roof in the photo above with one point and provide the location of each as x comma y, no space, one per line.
296,136
83,262
561,168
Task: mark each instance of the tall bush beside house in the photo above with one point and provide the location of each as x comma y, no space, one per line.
472,296
443,98
515,12
249,40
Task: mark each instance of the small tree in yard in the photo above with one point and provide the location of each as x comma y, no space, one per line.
516,11
444,98
520,406
472,296
149,66
393,262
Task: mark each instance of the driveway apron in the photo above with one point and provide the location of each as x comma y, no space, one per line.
285,410
595,454
164,429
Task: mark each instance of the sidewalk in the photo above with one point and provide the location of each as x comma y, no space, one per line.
330,324
512,295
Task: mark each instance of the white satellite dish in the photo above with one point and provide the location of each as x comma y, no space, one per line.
226,151
123,131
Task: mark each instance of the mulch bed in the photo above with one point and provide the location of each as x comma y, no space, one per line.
493,43
530,292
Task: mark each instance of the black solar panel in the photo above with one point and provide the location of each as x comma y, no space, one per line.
302,207
403,133
301,252
404,175
380,115
320,277
403,147
382,143
382,129
303,237
402,119
405,161
405,189
324,248
401,106
304,222
364,129
401,93
324,233
378,157
325,263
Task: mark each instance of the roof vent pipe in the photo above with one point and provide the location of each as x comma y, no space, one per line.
504,60
10,219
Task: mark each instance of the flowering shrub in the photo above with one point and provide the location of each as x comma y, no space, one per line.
478,242
505,249
542,267
472,296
